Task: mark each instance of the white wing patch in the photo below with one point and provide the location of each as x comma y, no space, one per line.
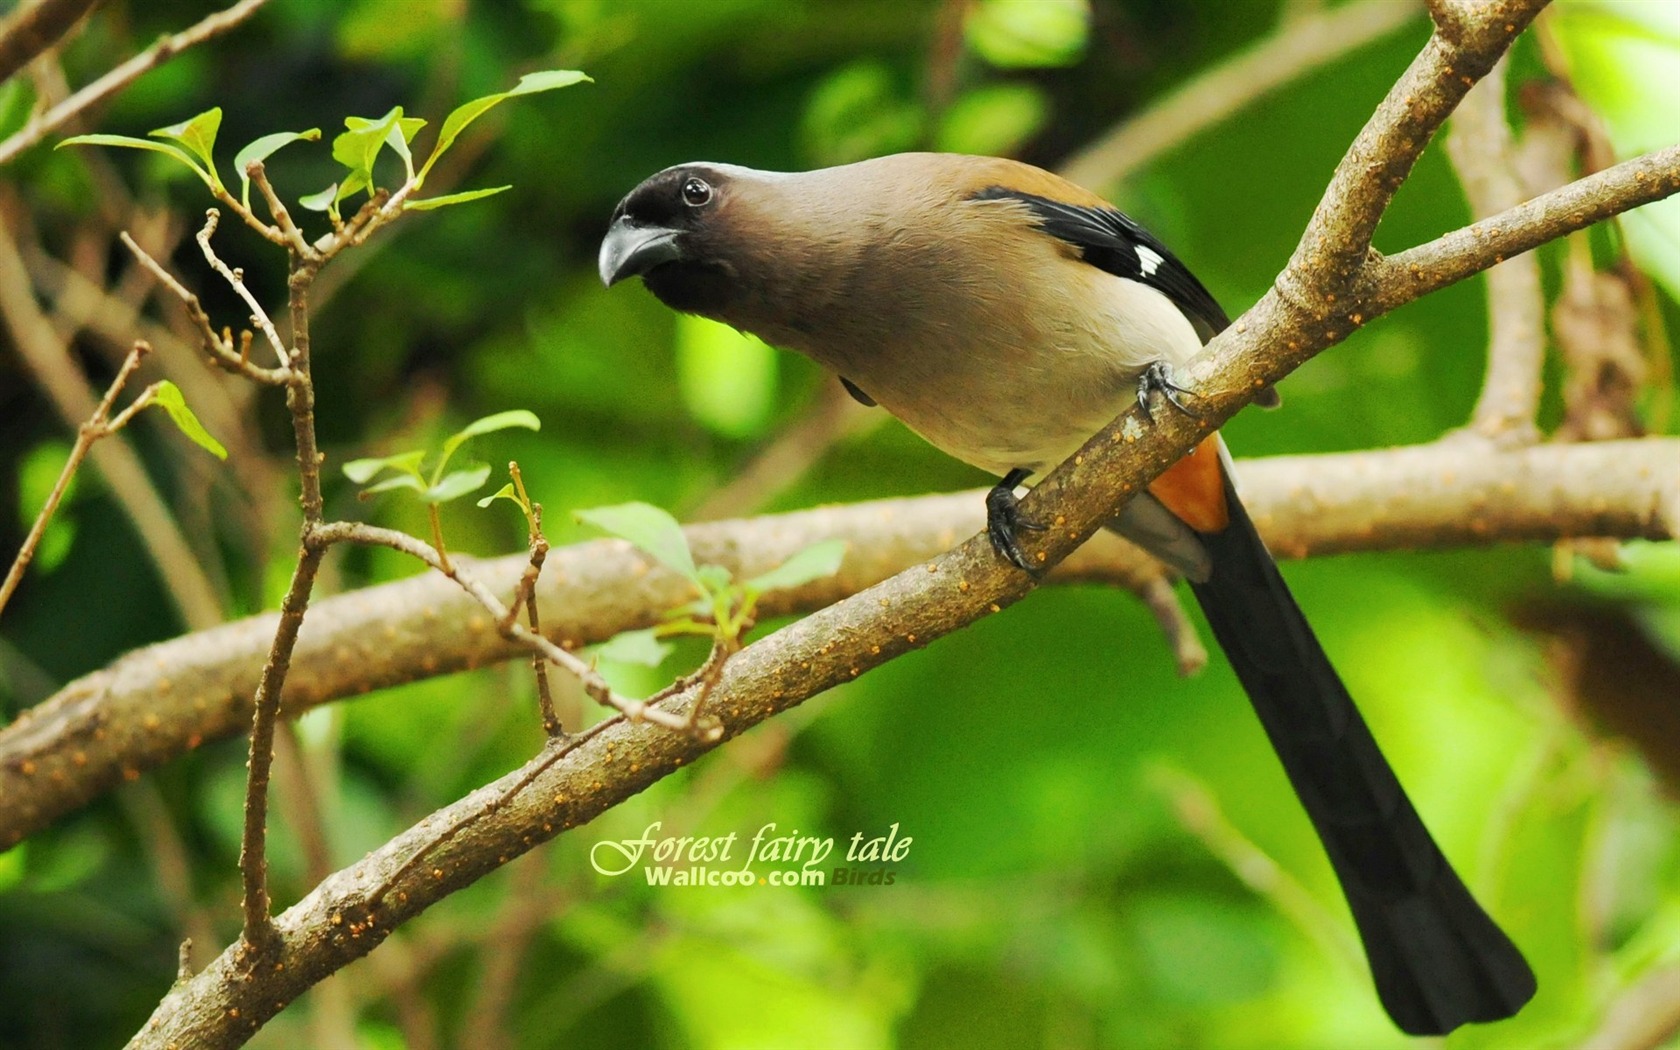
1148,259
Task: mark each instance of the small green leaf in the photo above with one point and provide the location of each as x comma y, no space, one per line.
452,198
648,528
457,483
515,417
262,149
359,146
134,143
1025,34
167,396
399,481
323,201
635,647
505,492
198,135
467,112
813,563
362,471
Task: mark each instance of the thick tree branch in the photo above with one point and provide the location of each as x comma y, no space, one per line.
158,702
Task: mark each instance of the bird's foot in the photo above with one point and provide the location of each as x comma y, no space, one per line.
1158,378
1005,522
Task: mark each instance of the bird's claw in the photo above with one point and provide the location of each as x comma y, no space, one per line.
1158,378
1005,522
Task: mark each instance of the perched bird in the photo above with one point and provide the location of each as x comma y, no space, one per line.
1006,315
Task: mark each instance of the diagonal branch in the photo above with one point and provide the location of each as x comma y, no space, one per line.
119,78
33,28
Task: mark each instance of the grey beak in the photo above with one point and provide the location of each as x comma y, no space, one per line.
630,251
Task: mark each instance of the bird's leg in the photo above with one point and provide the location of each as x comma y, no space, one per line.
1004,521
1158,379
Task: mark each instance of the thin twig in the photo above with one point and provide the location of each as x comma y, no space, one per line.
219,347
1189,654
98,425
120,77
48,361
527,596
236,279
277,208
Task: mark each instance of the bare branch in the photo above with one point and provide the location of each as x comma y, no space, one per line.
236,278
99,425
161,701
1416,272
219,347
47,359
119,78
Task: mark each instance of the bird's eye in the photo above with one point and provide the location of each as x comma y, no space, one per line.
696,193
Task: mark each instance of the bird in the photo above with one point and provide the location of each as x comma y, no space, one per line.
1006,315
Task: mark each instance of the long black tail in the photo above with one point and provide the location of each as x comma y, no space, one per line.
1437,958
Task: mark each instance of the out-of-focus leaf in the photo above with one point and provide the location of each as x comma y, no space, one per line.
262,149
635,647
362,471
37,474
396,481
429,203
198,136
859,112
727,378
993,120
456,483
467,112
1026,34
813,563
168,397
649,529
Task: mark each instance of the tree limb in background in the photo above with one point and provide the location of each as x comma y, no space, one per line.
166,48
33,28
1480,146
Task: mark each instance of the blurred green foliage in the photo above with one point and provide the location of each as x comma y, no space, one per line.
1086,826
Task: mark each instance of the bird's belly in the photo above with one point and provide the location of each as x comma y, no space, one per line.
1000,389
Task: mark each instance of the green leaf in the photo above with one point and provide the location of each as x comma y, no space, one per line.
467,112
516,417
359,146
993,120
134,143
167,396
648,528
813,563
505,492
323,201
1024,34
452,198
456,484
262,149
198,135
362,471
635,647
399,481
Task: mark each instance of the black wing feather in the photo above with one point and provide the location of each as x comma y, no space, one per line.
1108,239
